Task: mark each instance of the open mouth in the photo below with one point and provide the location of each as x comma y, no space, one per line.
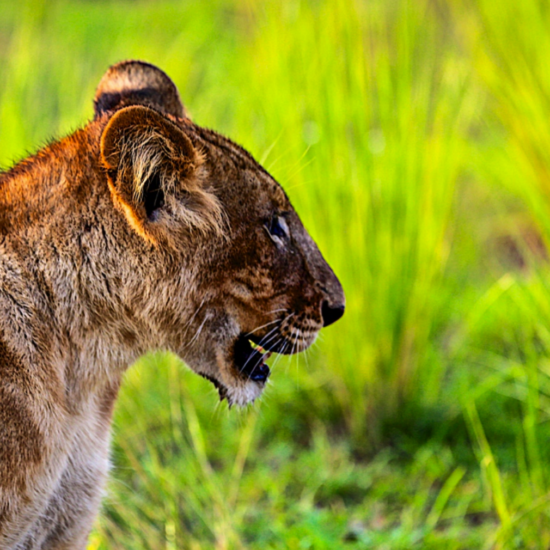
250,359
249,362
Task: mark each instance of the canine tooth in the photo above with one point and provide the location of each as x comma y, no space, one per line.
256,346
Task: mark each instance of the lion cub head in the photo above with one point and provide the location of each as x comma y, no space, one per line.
234,274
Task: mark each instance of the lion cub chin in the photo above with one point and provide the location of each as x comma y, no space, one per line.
140,231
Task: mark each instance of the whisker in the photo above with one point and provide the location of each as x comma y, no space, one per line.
199,330
294,347
306,358
187,325
195,314
295,355
279,355
263,326
272,332
269,337
255,353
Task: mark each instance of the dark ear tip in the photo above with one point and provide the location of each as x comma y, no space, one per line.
134,82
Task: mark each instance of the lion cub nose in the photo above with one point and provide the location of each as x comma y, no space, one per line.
331,313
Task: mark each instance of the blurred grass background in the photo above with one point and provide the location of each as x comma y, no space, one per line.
413,139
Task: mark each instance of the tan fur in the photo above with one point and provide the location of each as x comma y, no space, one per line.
140,231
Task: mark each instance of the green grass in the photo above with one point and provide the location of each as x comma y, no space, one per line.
413,139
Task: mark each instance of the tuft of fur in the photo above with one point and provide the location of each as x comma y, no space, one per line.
147,152
139,143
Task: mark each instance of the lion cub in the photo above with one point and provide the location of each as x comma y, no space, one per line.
140,231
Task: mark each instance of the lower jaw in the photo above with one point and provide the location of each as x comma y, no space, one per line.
244,395
243,392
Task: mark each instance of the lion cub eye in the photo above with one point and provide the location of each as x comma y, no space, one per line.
278,229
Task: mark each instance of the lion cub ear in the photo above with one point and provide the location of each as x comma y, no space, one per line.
137,83
155,175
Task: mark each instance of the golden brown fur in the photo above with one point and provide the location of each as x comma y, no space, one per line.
140,231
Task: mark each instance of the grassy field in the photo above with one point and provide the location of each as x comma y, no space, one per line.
413,138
